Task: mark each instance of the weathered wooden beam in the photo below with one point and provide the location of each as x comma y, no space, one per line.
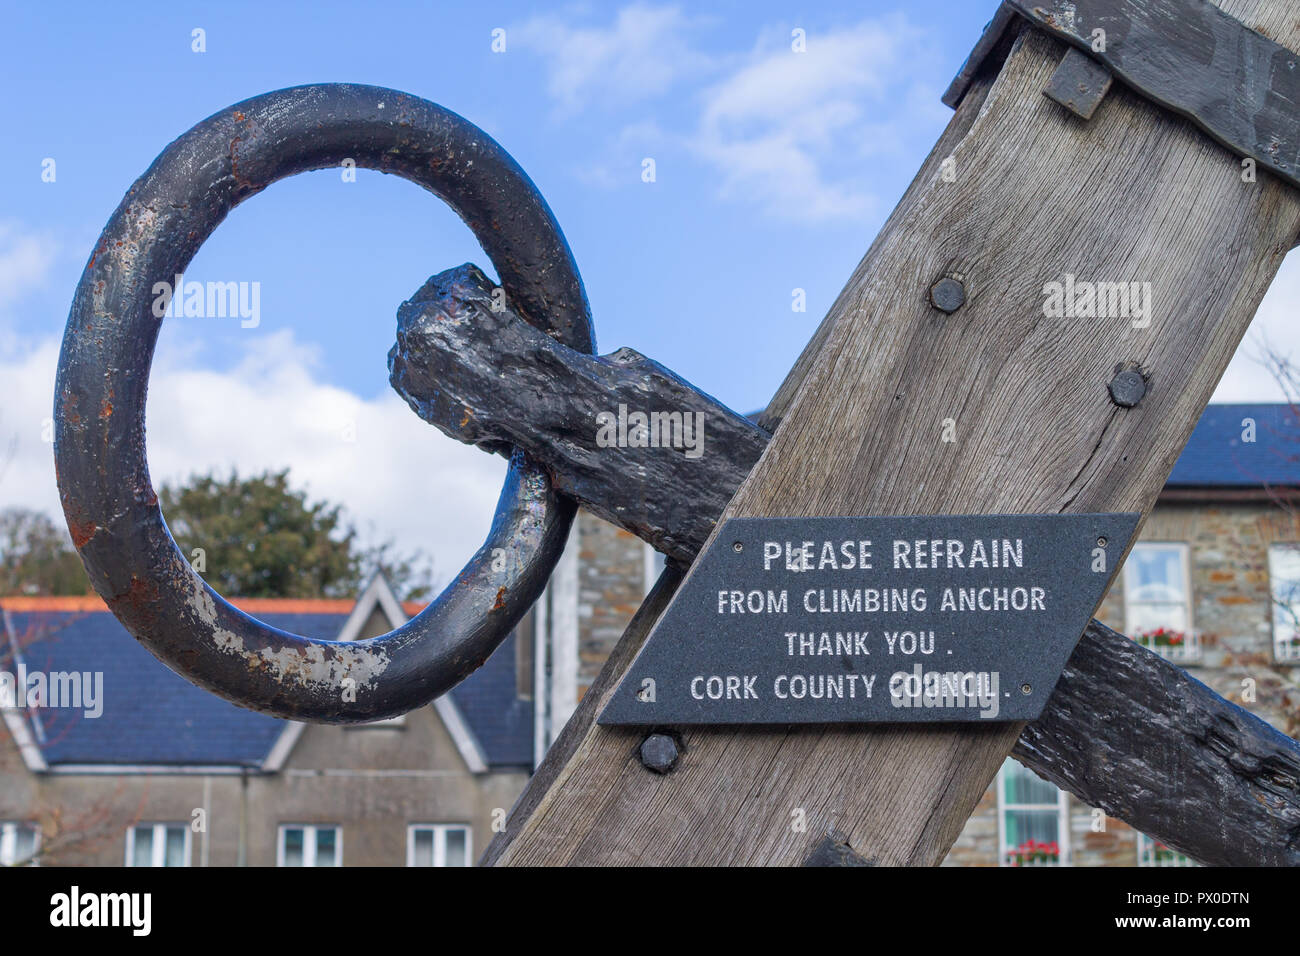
469,365
1145,741
1134,194
466,363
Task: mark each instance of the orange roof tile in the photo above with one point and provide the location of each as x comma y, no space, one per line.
92,602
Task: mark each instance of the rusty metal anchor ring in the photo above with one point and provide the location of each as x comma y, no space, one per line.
108,499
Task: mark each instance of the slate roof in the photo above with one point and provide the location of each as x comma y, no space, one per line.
500,719
1216,456
155,717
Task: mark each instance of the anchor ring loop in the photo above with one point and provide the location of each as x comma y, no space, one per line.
104,485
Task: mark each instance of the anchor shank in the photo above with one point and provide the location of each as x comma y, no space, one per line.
469,365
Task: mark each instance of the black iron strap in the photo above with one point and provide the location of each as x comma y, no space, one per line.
1234,83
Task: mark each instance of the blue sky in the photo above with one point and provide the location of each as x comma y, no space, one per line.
774,171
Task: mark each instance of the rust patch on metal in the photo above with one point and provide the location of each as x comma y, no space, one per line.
142,593
500,601
69,409
82,532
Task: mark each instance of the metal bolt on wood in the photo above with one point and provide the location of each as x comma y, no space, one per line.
1127,387
948,295
659,753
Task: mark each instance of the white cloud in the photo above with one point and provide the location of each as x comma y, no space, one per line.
25,260
398,479
789,130
619,163
642,54
1274,326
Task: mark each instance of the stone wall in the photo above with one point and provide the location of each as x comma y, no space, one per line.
977,845
1231,614
611,585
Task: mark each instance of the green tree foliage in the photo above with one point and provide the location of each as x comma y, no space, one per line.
247,537
260,537
36,556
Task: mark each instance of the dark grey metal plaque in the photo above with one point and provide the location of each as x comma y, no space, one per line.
874,620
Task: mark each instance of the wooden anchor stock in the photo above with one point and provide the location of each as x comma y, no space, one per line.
466,363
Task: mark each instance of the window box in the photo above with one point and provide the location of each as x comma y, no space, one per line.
1034,853
1177,646
1154,853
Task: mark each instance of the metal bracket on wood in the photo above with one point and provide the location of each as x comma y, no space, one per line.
1079,84
1235,84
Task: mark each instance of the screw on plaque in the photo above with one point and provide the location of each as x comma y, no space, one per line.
659,753
1128,386
948,295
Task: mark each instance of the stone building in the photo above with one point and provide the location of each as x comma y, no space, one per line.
149,770
1212,583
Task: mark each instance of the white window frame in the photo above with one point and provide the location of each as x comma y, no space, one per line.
9,843
654,566
158,844
1190,651
1146,852
1287,653
1062,819
439,831
309,842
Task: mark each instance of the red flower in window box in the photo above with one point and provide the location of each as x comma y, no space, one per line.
1162,637
1033,852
